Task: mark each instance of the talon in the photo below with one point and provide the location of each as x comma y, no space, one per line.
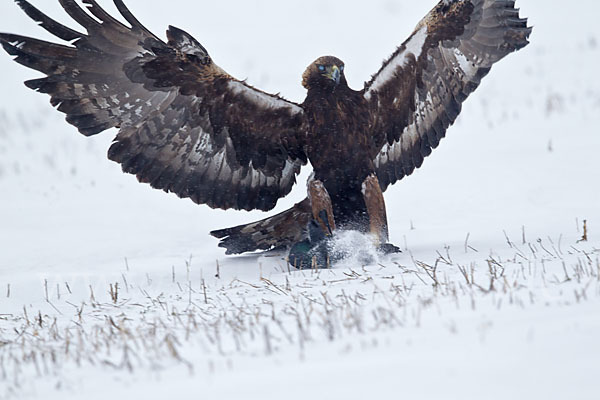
325,218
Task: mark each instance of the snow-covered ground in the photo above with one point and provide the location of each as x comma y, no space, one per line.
109,289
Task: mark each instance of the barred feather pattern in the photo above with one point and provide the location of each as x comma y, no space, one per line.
419,91
185,125
280,231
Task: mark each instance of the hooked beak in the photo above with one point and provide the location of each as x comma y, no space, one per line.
335,74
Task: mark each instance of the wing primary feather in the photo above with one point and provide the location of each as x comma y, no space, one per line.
50,25
135,24
34,62
464,39
25,43
103,16
77,13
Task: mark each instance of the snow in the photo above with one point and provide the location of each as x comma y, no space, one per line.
495,217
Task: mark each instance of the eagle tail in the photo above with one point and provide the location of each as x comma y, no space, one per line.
281,230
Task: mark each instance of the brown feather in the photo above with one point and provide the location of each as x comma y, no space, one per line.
418,93
188,127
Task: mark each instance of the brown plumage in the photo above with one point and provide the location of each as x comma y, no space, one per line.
188,127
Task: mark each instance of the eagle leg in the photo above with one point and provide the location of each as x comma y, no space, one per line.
322,208
312,252
375,202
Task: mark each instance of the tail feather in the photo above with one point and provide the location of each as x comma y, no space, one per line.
281,230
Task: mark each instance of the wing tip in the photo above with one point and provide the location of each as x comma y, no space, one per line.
220,233
10,44
131,19
57,29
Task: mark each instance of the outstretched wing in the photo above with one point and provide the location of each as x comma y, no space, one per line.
186,126
419,91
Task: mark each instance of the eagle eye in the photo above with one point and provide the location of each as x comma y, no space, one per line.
322,68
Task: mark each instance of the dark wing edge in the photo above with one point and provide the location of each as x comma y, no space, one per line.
186,126
419,91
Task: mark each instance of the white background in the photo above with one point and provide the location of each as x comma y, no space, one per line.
523,157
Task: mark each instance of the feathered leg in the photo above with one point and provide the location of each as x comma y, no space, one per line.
322,208
376,209
378,224
312,252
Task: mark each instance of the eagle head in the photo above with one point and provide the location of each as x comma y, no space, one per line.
325,73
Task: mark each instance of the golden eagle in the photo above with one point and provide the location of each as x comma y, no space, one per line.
188,127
